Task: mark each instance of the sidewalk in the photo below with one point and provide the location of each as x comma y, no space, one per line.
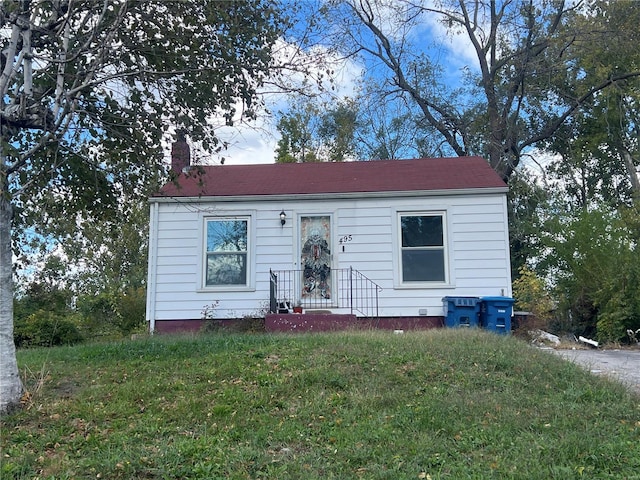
623,365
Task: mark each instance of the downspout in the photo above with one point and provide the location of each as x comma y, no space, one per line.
508,292
152,263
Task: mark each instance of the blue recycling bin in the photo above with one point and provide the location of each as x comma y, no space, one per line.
495,314
461,311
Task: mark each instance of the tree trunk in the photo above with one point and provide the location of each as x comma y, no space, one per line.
633,174
10,383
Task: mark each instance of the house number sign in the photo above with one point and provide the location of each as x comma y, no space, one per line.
345,239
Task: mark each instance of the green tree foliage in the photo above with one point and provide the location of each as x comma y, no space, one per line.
130,71
318,132
531,295
47,289
46,329
598,145
112,253
593,177
509,96
44,315
527,202
113,313
87,90
594,261
94,281
298,141
337,130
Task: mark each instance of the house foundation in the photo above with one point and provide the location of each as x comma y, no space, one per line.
315,322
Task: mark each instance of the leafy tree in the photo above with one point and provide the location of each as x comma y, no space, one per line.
598,147
47,291
527,202
595,180
112,252
87,90
44,328
110,276
594,264
312,132
532,295
112,312
508,98
298,139
43,312
337,130
619,296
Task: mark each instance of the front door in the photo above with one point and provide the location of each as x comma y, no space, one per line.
315,248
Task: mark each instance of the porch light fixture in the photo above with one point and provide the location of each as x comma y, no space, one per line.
283,218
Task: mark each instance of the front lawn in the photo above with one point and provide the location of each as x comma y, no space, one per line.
359,405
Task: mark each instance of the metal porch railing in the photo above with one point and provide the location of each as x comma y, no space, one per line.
344,288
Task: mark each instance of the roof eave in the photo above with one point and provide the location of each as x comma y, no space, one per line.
331,195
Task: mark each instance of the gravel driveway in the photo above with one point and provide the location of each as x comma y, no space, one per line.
623,365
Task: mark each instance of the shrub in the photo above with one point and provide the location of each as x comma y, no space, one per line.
531,295
611,326
131,308
618,309
45,329
114,313
595,260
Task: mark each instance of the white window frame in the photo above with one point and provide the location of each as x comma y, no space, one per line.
250,255
397,245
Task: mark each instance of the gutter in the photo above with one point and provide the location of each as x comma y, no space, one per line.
331,195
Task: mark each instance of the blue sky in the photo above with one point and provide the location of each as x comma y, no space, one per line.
256,142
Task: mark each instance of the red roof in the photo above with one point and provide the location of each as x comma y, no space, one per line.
423,174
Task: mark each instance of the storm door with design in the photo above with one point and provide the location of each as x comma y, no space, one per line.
315,249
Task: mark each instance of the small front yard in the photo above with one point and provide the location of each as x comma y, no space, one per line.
371,405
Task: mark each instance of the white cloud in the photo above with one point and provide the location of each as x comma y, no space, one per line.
255,142
248,144
456,49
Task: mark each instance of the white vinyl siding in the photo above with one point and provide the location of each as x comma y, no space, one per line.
475,244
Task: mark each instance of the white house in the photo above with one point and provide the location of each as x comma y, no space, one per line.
381,239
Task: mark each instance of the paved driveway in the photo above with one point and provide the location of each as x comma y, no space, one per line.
623,365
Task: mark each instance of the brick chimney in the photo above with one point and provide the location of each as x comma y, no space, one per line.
180,153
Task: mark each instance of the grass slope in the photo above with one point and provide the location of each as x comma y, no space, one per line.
373,405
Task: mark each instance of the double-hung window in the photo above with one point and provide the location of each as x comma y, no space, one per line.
423,256
227,249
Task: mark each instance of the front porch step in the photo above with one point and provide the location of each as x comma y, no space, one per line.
309,322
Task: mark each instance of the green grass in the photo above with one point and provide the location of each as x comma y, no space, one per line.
373,405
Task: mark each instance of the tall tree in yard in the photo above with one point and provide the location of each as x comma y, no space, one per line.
87,89
514,80
313,132
600,146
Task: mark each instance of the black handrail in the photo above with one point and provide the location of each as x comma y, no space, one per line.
346,288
